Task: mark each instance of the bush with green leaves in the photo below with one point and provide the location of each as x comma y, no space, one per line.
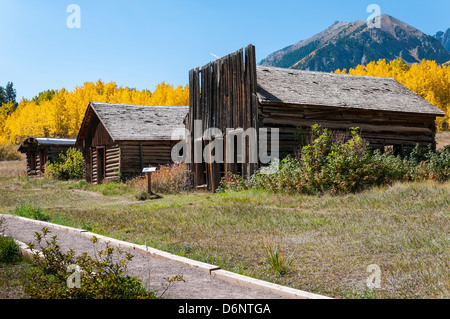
9,250
333,164
100,276
426,163
436,165
67,166
342,163
29,211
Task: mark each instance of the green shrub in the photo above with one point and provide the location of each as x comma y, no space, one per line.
68,165
333,164
100,276
9,250
419,155
288,178
428,164
32,212
438,164
343,163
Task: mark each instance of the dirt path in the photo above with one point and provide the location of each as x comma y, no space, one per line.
198,283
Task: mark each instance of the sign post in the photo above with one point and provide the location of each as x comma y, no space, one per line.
149,171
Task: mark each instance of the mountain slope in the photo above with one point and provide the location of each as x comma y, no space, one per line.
444,38
345,45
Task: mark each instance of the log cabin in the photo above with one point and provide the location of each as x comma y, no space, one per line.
233,92
119,140
42,150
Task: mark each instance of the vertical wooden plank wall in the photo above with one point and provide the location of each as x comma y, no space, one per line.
222,95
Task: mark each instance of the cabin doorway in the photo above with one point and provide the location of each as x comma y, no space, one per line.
42,160
100,165
33,162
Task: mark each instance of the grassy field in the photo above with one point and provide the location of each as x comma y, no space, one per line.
442,139
12,279
13,168
329,240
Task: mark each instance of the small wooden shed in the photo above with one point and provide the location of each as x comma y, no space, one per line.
119,140
40,150
234,93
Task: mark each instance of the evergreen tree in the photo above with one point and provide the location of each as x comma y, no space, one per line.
2,95
10,92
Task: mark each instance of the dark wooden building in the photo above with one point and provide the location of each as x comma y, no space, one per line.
233,92
119,140
40,150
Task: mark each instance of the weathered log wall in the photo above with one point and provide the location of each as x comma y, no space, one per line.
378,128
112,162
135,155
108,169
39,156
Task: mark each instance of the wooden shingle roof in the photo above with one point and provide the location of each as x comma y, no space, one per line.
296,87
126,122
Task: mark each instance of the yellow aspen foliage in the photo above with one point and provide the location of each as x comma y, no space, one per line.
427,79
62,115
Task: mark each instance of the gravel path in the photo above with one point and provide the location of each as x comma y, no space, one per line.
198,283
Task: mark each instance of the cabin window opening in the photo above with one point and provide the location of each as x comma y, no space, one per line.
398,150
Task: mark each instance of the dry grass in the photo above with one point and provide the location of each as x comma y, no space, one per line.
13,168
442,139
167,179
332,239
10,153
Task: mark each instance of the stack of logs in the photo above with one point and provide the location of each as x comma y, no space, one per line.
112,167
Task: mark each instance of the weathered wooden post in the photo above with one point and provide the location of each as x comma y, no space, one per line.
149,171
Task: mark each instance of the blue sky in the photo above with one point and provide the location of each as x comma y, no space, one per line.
142,43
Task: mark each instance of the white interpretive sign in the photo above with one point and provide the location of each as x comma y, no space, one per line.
149,170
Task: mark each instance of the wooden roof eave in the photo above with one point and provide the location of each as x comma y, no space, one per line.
348,108
85,125
26,144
